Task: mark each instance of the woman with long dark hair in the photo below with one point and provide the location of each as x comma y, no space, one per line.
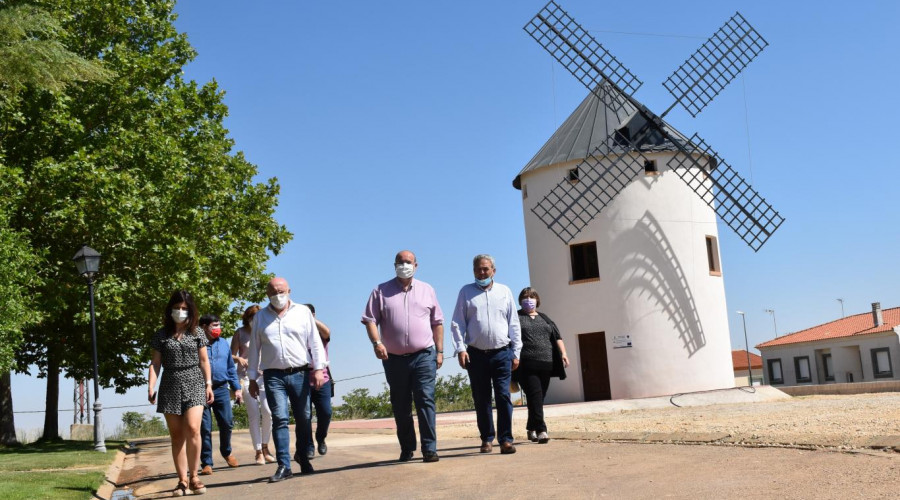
543,356
186,385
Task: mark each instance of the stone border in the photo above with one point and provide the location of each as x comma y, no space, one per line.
885,443
105,491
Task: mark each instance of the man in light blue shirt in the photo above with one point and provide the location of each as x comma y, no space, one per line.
488,340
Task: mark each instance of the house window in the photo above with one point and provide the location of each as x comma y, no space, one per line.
801,369
775,376
572,176
584,262
650,167
712,256
829,367
881,363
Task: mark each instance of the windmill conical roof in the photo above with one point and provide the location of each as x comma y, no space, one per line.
589,127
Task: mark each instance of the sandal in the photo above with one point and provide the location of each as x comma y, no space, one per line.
197,487
180,490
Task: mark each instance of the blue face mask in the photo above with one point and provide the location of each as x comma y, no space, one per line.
483,283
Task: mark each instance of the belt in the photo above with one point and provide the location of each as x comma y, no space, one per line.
409,353
293,369
489,351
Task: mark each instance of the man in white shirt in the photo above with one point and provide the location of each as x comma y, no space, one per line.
283,336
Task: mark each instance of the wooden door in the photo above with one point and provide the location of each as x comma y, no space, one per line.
594,367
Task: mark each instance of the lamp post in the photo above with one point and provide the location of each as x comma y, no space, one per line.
772,312
746,348
87,261
842,306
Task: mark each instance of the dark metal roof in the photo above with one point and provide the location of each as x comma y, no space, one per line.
590,127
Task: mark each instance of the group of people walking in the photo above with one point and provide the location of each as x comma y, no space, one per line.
277,363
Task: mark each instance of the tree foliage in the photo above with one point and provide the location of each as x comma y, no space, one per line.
141,168
451,393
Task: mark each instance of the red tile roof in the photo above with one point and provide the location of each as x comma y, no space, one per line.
739,360
851,326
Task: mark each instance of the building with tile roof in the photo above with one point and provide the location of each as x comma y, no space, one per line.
739,363
861,347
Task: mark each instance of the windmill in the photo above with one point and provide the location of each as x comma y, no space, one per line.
570,206
644,313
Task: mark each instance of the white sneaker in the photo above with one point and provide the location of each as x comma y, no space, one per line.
542,438
532,436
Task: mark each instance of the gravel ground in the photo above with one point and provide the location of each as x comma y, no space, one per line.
836,421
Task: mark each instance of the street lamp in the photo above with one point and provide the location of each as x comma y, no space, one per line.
842,306
772,312
87,261
746,348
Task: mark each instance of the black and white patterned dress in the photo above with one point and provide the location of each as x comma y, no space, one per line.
182,385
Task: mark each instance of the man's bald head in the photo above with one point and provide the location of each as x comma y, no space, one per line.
277,285
405,256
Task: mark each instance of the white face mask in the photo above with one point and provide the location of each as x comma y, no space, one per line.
279,301
405,270
179,315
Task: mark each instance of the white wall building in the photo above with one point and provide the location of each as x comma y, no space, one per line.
638,294
859,348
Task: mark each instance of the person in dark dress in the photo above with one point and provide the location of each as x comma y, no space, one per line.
541,346
179,348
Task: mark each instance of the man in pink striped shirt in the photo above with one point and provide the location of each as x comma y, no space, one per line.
410,345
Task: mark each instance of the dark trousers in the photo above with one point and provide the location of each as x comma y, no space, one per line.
320,399
487,368
411,378
287,393
221,407
534,384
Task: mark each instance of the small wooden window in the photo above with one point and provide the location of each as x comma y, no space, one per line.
712,256
585,266
775,375
524,191
573,175
650,167
801,369
828,364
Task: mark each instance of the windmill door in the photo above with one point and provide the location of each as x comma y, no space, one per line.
594,367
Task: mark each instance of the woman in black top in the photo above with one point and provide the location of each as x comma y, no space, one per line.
180,349
543,355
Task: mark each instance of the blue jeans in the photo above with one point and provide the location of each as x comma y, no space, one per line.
222,408
411,378
286,392
484,369
321,399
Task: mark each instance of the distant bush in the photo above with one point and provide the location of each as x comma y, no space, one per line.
451,393
137,425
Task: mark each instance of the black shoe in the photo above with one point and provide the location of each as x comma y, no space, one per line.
405,456
305,466
323,448
281,474
310,454
430,456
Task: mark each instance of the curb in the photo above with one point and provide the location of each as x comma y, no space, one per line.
106,489
883,443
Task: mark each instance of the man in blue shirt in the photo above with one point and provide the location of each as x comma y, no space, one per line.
488,340
224,381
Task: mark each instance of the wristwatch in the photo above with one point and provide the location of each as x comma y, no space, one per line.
376,343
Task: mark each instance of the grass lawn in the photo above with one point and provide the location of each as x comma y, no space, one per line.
59,469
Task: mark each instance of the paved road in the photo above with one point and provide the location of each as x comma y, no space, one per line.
364,466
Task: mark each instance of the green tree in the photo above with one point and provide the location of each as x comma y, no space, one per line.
31,58
141,168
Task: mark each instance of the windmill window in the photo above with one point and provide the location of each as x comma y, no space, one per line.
775,375
881,363
572,176
585,266
712,256
524,191
801,369
650,167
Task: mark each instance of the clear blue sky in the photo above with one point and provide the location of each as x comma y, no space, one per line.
401,124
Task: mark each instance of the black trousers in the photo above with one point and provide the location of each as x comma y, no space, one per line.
534,384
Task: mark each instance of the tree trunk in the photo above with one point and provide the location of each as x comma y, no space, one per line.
51,415
7,419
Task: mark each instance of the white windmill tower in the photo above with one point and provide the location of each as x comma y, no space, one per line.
636,287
